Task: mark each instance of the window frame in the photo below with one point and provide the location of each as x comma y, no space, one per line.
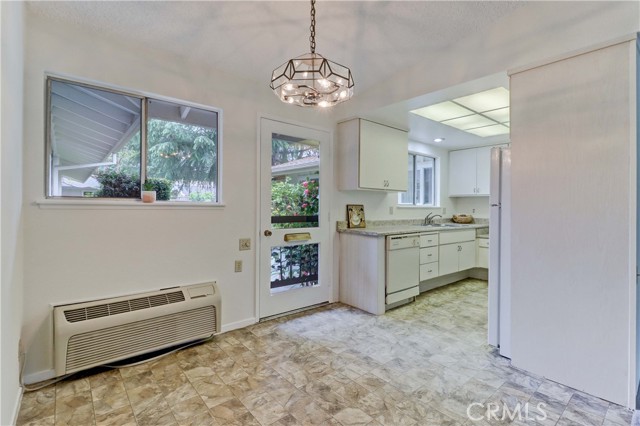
415,191
144,97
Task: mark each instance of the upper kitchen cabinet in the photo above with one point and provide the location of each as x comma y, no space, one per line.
469,172
371,156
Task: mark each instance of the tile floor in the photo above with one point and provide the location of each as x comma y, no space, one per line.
421,364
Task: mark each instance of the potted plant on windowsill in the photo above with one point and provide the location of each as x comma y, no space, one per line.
148,194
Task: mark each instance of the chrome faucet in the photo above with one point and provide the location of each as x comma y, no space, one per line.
430,217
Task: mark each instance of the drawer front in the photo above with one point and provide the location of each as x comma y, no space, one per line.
483,242
428,240
449,237
428,255
428,271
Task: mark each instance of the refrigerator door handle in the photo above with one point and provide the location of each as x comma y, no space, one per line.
495,205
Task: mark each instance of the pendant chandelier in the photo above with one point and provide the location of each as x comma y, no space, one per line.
310,79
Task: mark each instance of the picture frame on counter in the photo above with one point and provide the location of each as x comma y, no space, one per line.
355,216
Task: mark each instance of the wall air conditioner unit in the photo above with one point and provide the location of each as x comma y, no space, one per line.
94,333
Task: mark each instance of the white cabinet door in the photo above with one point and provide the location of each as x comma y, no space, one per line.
467,255
371,156
483,170
448,259
462,172
383,157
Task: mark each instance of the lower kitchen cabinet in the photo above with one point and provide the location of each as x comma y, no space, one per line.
483,253
457,257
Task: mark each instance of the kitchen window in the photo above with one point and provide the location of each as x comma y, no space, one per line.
422,171
104,143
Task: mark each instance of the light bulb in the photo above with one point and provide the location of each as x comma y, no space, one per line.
324,82
290,100
288,86
343,94
323,104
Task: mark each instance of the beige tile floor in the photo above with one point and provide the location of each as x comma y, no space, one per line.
421,364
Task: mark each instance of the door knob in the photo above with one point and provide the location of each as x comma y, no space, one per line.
268,233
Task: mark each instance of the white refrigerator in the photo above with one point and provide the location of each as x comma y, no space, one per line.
500,251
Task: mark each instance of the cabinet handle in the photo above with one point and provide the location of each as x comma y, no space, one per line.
429,255
385,183
430,270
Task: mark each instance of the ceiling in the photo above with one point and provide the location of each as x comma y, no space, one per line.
373,38
376,39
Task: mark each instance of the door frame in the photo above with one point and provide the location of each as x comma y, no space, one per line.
326,214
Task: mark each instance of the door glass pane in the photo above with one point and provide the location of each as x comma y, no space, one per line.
294,267
295,182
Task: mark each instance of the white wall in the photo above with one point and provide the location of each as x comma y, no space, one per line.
81,254
574,220
11,224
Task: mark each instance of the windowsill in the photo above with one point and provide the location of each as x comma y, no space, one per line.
412,206
122,204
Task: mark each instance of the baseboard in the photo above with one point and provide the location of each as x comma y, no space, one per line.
238,324
39,376
16,407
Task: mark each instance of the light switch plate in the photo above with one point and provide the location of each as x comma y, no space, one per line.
245,243
238,266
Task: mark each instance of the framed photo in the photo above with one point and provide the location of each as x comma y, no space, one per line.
355,216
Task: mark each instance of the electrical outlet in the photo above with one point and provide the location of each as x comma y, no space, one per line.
245,243
444,210
473,210
238,265
390,209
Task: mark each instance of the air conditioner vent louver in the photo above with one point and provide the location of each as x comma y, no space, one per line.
104,331
107,309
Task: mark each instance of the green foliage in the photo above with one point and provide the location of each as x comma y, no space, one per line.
116,184
161,186
182,153
201,196
295,199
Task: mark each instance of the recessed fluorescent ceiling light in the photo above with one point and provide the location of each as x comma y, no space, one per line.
501,115
486,101
495,130
469,122
442,111
488,110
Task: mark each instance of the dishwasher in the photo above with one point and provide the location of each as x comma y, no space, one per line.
403,267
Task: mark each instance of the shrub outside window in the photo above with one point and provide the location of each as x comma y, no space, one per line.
421,187
103,143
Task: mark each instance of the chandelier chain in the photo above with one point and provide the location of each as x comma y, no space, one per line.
312,28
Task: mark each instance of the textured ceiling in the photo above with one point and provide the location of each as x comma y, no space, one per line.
373,38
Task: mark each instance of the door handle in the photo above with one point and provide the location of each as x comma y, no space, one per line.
268,233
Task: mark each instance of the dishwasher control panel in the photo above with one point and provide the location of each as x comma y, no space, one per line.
397,242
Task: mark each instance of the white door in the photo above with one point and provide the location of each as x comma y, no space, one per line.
294,253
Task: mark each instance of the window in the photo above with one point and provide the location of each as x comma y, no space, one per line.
421,187
103,143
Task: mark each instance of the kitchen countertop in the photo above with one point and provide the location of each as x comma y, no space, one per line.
383,231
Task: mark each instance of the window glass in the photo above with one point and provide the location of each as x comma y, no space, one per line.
421,187
96,146
94,142
182,151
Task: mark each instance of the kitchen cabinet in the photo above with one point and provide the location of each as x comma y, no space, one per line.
469,172
371,156
428,256
457,251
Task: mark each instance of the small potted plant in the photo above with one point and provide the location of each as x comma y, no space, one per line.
148,194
